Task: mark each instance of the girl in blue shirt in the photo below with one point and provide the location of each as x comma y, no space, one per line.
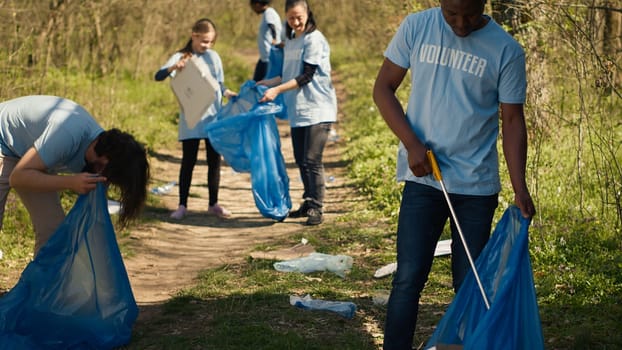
200,44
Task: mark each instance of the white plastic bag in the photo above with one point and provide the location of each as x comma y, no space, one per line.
338,264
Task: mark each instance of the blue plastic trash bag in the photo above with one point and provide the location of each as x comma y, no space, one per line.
76,293
513,320
275,63
250,142
275,69
249,95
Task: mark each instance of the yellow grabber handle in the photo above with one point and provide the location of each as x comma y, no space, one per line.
435,169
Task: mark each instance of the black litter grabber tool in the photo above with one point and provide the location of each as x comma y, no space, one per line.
436,171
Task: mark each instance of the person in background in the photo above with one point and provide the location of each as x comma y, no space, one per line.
202,39
50,144
310,101
269,34
465,69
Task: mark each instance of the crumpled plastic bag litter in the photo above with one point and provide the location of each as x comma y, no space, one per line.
314,262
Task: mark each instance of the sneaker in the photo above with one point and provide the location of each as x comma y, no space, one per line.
314,216
218,211
179,213
301,212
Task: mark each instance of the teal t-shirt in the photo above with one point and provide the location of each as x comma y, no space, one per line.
59,129
457,85
315,102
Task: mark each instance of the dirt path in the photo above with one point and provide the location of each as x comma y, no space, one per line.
168,254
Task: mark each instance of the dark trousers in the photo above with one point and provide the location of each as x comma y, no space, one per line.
308,143
190,149
260,70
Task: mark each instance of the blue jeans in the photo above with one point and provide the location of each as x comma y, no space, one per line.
423,214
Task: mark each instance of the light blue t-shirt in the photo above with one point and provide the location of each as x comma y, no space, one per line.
214,63
59,129
457,85
264,36
315,102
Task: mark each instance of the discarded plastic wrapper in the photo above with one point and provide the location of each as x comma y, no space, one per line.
164,188
299,250
114,207
386,270
442,248
381,297
333,136
343,308
338,264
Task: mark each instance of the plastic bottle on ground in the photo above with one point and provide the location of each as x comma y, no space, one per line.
346,309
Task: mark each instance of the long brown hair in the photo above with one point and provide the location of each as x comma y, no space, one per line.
202,26
127,169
